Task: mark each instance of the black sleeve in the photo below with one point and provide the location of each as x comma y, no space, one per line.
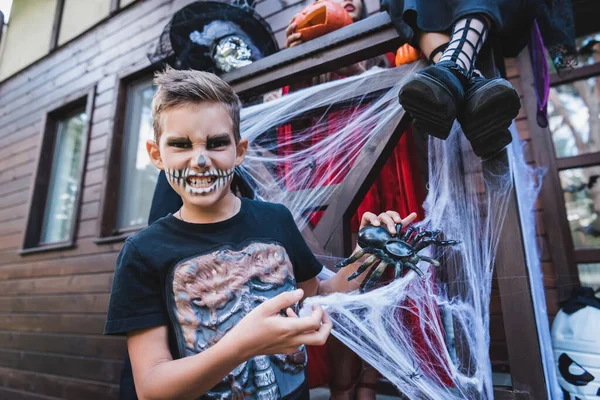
165,199
135,300
306,266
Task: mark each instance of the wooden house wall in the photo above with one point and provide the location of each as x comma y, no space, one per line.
53,304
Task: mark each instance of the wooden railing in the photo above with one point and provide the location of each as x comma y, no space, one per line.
359,41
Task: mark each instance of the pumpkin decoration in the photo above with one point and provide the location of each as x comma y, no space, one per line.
321,17
407,54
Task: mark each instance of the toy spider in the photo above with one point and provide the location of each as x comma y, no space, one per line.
400,250
415,374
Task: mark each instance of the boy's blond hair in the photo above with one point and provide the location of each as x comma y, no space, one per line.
181,87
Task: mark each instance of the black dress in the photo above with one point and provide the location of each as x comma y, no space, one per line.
512,21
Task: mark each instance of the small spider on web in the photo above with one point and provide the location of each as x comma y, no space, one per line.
415,374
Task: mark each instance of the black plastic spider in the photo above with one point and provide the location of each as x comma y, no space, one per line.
400,250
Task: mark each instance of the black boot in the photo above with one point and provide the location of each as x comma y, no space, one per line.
490,105
433,97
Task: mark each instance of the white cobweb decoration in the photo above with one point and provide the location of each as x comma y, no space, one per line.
429,337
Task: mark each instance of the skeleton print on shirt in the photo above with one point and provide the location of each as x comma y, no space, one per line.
213,292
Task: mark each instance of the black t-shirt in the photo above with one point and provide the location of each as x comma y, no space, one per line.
201,279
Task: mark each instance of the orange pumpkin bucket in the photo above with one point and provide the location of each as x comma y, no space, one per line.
321,17
407,54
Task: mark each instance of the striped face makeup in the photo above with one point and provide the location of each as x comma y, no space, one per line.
199,182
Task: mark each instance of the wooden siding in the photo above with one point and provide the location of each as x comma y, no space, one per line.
53,304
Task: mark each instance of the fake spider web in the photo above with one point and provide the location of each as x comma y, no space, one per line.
429,337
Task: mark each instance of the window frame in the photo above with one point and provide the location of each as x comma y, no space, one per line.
560,247
44,162
583,255
107,231
115,7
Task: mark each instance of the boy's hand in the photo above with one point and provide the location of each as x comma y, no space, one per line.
389,219
265,331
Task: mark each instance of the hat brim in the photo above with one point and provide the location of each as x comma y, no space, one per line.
195,16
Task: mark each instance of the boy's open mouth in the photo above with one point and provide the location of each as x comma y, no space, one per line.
200,182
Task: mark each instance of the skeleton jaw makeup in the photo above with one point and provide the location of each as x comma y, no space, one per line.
199,182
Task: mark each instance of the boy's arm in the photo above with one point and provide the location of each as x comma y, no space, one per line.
158,376
262,331
339,282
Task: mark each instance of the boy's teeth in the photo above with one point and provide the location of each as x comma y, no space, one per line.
202,181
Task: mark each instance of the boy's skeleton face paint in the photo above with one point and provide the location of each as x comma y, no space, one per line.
201,161
199,182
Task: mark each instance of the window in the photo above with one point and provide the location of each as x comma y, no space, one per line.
138,175
131,176
58,183
28,35
573,117
37,27
574,121
64,180
79,15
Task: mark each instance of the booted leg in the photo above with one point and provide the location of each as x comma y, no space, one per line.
434,95
487,108
433,44
490,107
468,36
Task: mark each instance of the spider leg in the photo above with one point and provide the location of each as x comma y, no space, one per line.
414,268
368,262
424,243
375,276
419,237
398,272
430,260
407,233
429,241
435,233
351,259
398,230
448,242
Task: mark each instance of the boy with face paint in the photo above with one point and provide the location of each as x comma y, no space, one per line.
207,295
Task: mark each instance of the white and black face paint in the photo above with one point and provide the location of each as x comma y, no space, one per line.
201,161
199,182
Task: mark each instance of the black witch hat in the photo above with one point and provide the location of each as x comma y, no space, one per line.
214,36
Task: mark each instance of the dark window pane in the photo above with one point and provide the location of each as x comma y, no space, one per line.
138,174
581,189
64,179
